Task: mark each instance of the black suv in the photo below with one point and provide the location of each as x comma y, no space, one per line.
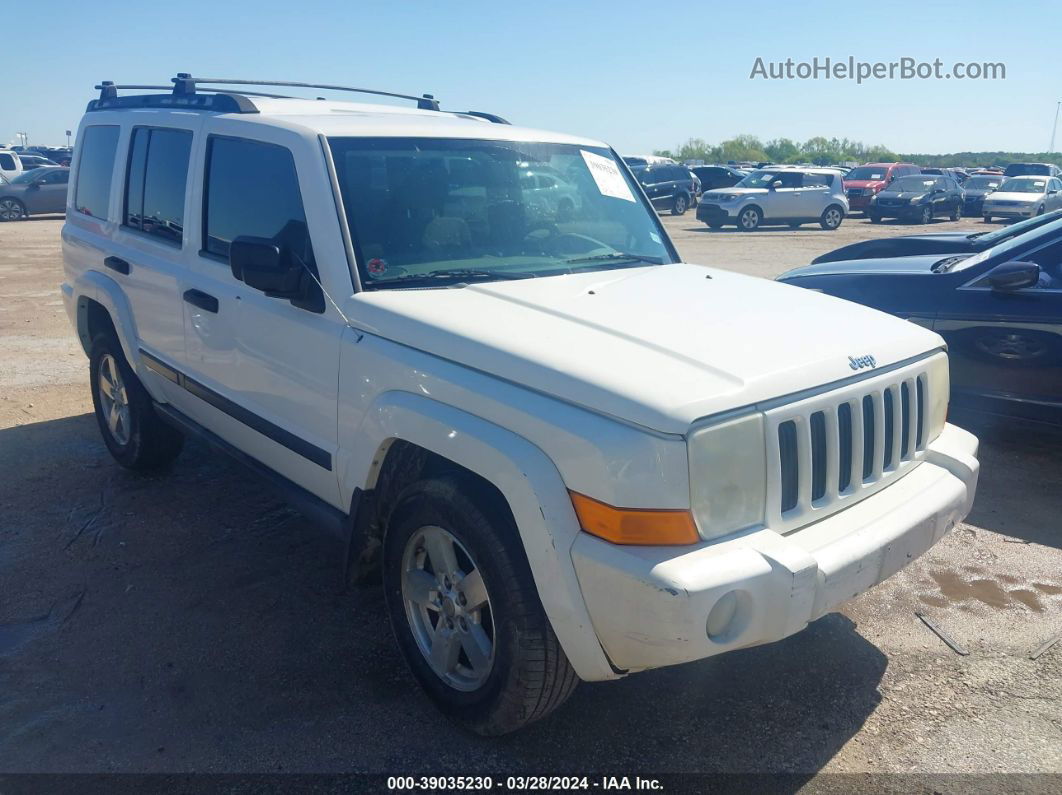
713,177
918,197
668,186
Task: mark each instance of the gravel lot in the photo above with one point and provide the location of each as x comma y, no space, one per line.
192,622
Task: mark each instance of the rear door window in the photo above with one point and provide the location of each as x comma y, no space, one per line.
7,162
99,144
156,180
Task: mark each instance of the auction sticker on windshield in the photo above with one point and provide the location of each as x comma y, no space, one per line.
607,176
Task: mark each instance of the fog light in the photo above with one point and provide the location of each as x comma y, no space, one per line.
722,615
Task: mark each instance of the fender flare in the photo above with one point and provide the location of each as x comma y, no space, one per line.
105,291
524,475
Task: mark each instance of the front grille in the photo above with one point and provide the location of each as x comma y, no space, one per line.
833,449
855,193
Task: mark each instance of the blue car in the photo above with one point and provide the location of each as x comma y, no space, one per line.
999,310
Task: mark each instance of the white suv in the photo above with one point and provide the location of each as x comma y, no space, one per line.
779,195
567,454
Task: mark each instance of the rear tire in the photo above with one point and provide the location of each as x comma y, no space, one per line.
714,225
493,668
680,204
749,219
831,218
794,225
135,435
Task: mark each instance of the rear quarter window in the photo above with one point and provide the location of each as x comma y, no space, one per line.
99,144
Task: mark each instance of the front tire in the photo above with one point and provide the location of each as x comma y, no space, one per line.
926,216
1040,210
12,210
135,435
680,204
988,219
874,218
749,219
831,218
465,611
956,212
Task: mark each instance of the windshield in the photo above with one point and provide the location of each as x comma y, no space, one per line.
908,184
866,173
424,209
1003,250
983,183
1023,186
763,179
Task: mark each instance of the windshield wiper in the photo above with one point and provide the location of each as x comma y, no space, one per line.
457,274
617,255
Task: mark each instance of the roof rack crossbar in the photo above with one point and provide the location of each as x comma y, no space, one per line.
184,83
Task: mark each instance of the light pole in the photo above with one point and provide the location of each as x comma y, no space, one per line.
1054,128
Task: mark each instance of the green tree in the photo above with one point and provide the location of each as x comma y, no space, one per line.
782,150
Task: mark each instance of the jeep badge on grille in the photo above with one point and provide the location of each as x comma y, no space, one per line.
859,362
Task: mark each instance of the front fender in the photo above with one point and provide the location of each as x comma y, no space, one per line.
525,476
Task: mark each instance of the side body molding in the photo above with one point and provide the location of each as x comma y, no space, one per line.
525,476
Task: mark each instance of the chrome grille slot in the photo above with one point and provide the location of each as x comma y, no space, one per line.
831,450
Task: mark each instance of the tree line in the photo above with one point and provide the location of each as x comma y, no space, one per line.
827,151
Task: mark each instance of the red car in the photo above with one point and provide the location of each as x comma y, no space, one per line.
862,182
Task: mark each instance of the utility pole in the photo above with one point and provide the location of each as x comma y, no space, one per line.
1054,128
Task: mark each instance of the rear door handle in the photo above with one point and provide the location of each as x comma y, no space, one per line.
117,264
203,300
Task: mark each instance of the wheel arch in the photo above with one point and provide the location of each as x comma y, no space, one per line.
102,306
412,436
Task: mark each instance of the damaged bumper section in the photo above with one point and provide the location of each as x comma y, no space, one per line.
652,607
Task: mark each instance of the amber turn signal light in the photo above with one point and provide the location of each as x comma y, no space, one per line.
633,525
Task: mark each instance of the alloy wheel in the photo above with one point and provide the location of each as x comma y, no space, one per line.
448,608
10,210
114,399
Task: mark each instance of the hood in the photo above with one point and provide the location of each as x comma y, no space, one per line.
1012,196
905,195
887,265
656,346
736,191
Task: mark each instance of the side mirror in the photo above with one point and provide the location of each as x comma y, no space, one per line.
260,263
1011,276
1052,192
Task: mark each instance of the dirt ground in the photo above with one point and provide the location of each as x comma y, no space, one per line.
192,623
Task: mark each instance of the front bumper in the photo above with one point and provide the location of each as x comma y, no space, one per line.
856,203
714,213
1009,211
895,210
651,606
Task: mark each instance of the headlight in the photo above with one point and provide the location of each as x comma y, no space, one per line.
728,475
939,387
916,199
728,197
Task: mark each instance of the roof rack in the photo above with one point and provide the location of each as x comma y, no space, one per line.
185,93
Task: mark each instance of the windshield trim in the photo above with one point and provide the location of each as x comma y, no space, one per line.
355,256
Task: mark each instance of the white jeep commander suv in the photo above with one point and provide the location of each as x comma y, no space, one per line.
566,453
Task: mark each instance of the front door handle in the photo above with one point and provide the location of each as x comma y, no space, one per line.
117,264
204,301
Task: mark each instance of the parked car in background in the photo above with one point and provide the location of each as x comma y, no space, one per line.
698,188
10,163
939,243
713,177
669,186
955,173
1022,197
42,190
864,182
31,161
918,198
57,155
636,162
976,188
777,195
1032,169
999,310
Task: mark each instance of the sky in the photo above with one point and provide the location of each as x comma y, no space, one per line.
640,76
